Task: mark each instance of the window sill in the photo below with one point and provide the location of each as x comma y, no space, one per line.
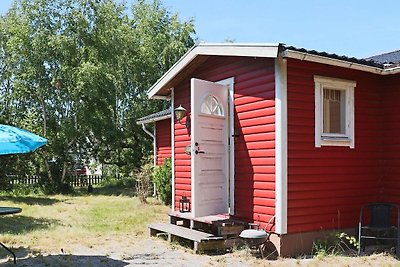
337,141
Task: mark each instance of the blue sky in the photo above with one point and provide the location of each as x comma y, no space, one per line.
345,27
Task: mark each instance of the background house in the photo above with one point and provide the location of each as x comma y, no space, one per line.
161,134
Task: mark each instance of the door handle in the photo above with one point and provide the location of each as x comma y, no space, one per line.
199,152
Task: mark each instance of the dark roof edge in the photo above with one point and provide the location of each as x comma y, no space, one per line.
364,62
158,116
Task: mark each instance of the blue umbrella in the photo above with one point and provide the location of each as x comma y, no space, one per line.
14,140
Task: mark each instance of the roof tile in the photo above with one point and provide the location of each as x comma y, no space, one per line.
389,59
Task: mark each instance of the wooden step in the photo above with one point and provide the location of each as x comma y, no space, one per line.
218,225
186,233
201,241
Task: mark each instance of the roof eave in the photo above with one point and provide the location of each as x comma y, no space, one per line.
225,49
168,116
331,61
394,70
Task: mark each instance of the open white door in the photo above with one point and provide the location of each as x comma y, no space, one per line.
209,144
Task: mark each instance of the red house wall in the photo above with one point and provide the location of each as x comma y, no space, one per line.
254,97
327,185
163,140
391,140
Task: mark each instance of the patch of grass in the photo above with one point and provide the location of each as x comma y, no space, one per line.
112,187
119,215
55,222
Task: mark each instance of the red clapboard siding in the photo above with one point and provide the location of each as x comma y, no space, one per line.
391,140
254,99
181,140
163,140
327,185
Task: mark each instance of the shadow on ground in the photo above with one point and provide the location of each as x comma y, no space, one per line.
66,260
22,224
42,201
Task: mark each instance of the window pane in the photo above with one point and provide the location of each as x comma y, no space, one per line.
211,106
334,111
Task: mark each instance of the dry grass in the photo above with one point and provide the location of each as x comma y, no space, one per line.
51,223
244,258
60,230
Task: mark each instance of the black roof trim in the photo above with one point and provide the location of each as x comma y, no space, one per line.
367,61
155,116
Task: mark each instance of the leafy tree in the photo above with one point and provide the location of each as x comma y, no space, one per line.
77,72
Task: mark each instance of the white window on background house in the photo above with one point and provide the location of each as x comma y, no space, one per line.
334,112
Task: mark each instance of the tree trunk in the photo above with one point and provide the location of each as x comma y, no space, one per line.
44,118
64,172
49,175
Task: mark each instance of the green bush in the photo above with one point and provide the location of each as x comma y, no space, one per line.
163,181
56,187
23,190
122,181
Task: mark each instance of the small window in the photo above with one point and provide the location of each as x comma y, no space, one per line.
211,106
334,112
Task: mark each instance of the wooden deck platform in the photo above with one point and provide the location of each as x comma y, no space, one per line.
208,233
200,241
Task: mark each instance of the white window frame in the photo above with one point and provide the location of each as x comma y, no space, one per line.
330,139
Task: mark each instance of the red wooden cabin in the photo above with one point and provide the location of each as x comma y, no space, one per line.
272,130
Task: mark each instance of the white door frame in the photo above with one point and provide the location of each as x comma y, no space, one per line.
231,126
173,146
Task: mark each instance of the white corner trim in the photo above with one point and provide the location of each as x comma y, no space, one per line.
155,147
173,147
281,194
230,83
154,156
245,50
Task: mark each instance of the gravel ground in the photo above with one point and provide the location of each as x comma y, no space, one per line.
157,252
151,252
